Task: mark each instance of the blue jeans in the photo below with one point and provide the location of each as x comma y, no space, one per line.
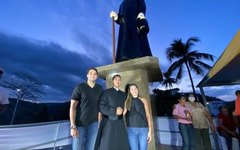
138,138
187,133
87,137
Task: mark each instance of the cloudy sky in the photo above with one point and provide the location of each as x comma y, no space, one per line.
57,40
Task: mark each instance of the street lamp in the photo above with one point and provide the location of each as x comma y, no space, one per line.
18,98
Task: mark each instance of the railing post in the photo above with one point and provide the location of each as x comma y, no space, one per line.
56,136
215,136
14,112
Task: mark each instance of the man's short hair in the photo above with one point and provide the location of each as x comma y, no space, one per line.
92,69
115,76
1,71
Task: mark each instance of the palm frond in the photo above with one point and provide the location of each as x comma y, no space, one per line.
191,42
180,73
173,67
168,81
204,65
196,68
197,55
176,50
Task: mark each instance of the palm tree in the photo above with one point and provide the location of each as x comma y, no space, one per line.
168,81
182,55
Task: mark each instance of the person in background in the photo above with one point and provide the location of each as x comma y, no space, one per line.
182,112
236,112
201,120
137,119
227,126
112,134
84,116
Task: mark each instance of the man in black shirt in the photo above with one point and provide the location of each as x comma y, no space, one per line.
84,116
112,134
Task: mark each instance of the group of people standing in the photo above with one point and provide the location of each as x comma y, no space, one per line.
194,122
109,119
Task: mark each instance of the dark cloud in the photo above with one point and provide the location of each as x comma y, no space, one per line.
56,67
95,49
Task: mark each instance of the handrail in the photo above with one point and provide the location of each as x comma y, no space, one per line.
41,144
55,140
57,137
32,124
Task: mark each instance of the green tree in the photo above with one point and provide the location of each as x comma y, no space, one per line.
181,55
168,81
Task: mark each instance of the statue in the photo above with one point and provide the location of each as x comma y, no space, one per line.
132,37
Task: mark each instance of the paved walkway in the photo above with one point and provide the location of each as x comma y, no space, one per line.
158,147
167,147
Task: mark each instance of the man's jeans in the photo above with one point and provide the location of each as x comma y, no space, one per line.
87,137
187,133
138,138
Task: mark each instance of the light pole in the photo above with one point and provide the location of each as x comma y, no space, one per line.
18,98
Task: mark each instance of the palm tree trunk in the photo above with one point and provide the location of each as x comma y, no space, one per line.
190,76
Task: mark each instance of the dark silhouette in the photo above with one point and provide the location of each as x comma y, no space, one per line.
132,38
181,54
168,81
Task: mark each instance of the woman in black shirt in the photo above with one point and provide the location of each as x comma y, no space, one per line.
137,119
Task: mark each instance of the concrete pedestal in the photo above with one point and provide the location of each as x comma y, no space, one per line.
140,71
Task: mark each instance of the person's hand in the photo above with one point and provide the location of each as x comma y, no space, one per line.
234,113
141,16
188,118
174,106
114,15
119,111
74,132
149,137
99,122
213,129
234,134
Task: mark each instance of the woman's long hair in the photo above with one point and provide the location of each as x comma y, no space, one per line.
129,96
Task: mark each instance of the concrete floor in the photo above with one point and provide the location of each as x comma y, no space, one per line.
167,147
158,147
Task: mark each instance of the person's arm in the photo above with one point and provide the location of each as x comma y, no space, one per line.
210,120
105,108
147,111
72,113
125,109
99,118
224,128
177,116
208,116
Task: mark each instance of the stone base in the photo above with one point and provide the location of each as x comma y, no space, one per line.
140,71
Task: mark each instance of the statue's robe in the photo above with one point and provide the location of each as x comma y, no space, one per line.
131,44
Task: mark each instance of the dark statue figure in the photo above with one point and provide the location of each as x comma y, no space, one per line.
132,38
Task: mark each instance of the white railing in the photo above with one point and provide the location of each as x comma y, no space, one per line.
35,136
56,134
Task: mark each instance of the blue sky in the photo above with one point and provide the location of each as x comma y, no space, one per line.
57,40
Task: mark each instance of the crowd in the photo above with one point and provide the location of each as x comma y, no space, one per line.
194,123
